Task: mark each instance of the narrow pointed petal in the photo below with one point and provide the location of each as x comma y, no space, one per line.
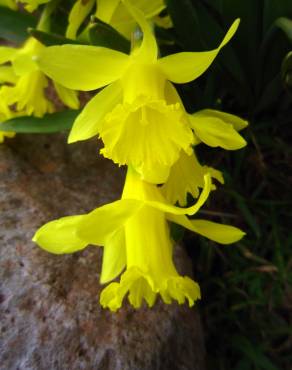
220,233
68,97
148,50
78,13
215,132
187,66
81,67
114,257
165,207
59,236
88,123
237,122
101,223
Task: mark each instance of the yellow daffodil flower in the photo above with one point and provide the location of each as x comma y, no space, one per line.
136,117
28,92
216,129
135,234
112,12
32,5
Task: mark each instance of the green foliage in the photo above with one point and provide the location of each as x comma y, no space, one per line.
102,34
246,288
48,124
14,25
50,39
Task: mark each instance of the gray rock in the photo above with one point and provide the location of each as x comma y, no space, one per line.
50,313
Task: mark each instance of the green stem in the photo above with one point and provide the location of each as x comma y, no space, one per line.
45,21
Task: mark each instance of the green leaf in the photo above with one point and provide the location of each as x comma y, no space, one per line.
246,213
275,9
186,24
212,33
14,25
287,71
274,47
102,34
285,24
246,47
270,95
49,123
254,353
50,39
199,26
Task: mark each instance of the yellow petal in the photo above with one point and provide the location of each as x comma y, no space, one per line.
106,9
123,21
7,54
237,122
88,123
215,132
77,15
220,233
148,8
148,50
59,236
81,67
185,211
7,75
114,256
23,63
187,176
101,223
68,97
187,66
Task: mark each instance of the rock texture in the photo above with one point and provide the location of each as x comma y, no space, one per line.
50,314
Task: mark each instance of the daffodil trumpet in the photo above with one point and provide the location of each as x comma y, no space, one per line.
134,232
139,115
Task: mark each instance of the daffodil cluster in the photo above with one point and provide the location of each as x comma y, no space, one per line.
138,115
23,86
